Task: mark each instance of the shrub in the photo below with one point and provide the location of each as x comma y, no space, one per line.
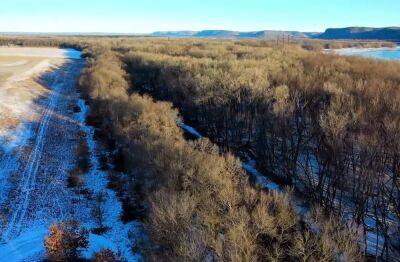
65,241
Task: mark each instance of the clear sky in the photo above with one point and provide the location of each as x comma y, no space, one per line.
132,16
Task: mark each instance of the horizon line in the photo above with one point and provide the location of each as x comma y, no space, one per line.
172,30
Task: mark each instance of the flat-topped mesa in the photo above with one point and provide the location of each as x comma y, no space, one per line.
263,34
363,33
349,33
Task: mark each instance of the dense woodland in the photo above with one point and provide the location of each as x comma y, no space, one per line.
325,126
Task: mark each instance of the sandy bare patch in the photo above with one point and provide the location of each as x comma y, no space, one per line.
40,52
11,65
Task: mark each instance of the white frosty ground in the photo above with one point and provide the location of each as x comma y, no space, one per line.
34,170
118,237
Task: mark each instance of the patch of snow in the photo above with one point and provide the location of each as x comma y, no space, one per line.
118,237
189,129
96,244
375,243
18,137
27,247
259,178
370,222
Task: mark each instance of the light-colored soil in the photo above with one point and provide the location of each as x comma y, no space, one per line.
21,85
20,88
11,65
15,61
39,52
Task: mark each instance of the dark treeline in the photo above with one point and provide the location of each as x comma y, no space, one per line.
326,125
44,41
317,45
125,43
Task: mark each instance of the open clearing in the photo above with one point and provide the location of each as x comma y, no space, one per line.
40,130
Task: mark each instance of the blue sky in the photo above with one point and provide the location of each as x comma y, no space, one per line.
128,16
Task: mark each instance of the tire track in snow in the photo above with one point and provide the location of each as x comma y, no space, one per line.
30,172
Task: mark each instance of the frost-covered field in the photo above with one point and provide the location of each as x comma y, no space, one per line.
39,134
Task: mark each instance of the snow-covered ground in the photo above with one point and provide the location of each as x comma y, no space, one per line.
119,236
36,156
36,190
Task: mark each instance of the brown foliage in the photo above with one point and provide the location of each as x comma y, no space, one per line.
200,204
65,241
316,121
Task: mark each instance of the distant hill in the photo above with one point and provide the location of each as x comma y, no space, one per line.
174,33
355,33
270,34
362,33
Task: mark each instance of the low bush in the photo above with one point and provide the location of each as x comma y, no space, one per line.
65,241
